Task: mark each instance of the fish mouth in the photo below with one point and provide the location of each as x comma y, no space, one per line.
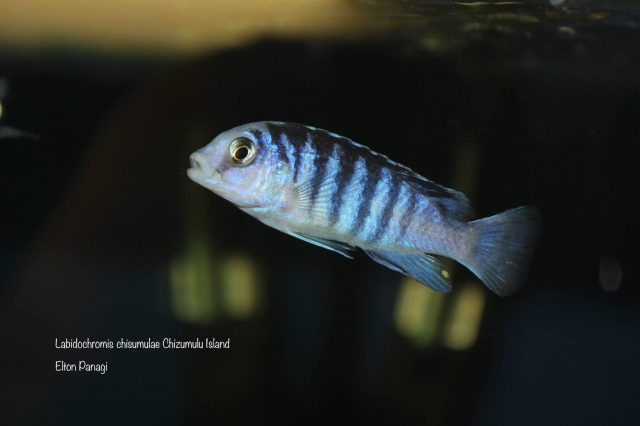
198,176
200,171
194,174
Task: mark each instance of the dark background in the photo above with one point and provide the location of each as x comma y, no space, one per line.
96,207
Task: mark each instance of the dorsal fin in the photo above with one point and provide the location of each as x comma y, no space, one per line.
456,205
453,203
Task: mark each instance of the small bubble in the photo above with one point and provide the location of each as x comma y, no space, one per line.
445,274
610,274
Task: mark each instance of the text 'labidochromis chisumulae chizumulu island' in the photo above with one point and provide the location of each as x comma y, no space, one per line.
122,343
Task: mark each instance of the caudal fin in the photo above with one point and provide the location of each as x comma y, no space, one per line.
503,247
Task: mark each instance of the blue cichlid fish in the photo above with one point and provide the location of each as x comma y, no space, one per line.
332,192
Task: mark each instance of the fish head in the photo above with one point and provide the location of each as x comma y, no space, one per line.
240,165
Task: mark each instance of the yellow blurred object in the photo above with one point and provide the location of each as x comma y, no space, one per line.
240,293
465,316
418,311
192,278
170,26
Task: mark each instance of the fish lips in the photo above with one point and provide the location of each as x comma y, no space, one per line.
211,179
202,178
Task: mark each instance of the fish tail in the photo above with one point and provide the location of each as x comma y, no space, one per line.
502,248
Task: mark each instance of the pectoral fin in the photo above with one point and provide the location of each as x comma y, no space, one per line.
312,198
338,247
422,267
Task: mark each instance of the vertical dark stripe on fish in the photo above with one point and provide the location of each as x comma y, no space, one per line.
276,133
282,150
345,173
324,142
406,215
387,212
366,198
257,134
296,165
320,167
323,145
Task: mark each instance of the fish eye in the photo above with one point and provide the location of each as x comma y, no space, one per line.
242,151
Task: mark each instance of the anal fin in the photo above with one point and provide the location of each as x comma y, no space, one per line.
338,247
422,267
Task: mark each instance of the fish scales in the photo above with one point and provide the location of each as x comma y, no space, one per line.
408,214
379,200
326,161
317,148
306,158
350,205
391,197
371,177
322,169
335,193
401,211
327,183
345,175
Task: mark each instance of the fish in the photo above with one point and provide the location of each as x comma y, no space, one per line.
330,191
